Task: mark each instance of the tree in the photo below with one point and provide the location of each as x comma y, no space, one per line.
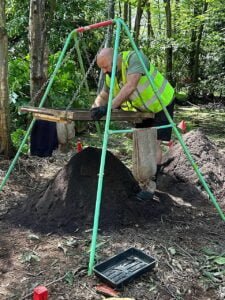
110,15
195,69
137,23
150,32
191,42
212,57
5,141
125,11
196,38
169,49
38,48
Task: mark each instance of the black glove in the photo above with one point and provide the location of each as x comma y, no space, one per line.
98,112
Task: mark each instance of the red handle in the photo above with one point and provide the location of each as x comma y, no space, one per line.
96,25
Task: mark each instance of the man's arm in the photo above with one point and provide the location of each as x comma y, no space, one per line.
126,90
101,99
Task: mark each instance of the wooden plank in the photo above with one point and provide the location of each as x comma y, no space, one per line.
83,114
50,118
48,111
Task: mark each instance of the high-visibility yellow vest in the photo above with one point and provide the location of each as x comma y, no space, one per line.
144,97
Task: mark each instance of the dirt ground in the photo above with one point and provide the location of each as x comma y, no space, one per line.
183,232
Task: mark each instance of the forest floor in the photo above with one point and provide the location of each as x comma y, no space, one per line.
186,237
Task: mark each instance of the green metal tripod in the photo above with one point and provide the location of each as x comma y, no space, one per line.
119,23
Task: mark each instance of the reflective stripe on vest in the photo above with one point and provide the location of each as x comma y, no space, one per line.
144,97
126,105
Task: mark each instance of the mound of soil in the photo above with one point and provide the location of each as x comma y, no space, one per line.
68,202
210,161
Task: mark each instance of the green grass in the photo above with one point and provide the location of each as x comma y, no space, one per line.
212,122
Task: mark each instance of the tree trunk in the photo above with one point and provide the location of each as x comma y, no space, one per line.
196,37
110,15
193,49
195,71
125,12
120,9
129,16
176,15
150,32
5,141
159,16
169,49
38,49
137,23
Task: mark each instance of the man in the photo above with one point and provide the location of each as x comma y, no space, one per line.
132,91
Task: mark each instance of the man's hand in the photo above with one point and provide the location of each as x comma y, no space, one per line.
98,112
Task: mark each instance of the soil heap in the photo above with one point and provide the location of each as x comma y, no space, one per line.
68,202
210,161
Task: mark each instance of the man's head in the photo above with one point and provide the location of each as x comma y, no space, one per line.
105,60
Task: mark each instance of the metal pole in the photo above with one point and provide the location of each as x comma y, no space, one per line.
132,129
104,149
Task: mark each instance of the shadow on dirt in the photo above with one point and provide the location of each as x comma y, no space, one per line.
69,213
182,193
5,253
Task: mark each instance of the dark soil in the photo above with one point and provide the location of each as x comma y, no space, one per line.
57,195
68,201
209,159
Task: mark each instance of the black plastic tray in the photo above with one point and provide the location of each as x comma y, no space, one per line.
124,267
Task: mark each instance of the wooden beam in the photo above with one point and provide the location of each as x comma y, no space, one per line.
60,115
49,118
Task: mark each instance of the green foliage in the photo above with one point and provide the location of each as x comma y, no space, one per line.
66,16
62,18
213,63
17,18
19,80
213,267
69,278
187,19
30,257
66,83
181,96
17,137
19,90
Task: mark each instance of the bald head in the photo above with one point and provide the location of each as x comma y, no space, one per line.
105,53
105,59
